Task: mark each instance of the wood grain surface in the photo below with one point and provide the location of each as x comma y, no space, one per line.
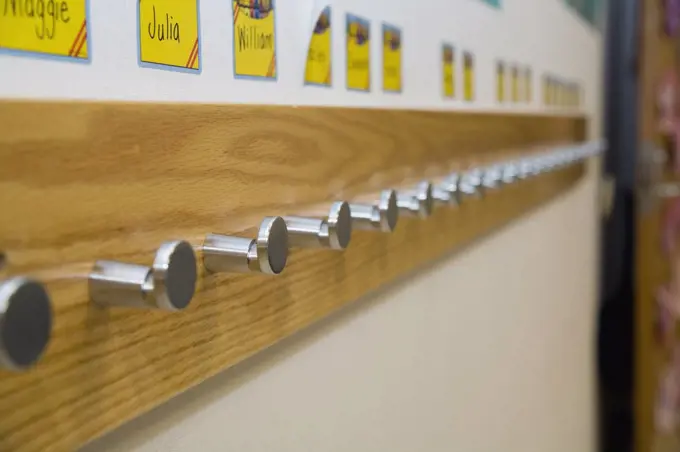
86,181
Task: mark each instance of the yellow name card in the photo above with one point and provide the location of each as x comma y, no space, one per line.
169,35
49,27
500,82
515,84
318,70
449,71
528,84
469,76
391,58
358,53
254,38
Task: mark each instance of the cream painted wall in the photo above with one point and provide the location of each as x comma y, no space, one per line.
489,349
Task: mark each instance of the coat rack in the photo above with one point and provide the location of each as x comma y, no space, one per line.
150,246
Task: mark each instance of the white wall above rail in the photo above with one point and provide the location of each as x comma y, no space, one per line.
527,32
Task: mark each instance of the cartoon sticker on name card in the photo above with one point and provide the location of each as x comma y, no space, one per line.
500,82
469,76
254,38
169,35
448,71
391,58
49,28
358,54
318,70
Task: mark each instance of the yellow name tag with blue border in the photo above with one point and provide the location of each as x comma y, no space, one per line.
254,39
358,39
391,58
515,84
169,35
318,70
49,28
448,71
500,82
469,76
528,85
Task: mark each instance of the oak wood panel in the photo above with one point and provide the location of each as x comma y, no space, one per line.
652,271
82,181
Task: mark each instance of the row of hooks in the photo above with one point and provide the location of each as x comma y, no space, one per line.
169,282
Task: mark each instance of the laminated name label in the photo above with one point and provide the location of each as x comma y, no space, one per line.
318,70
391,58
169,34
515,83
254,38
500,82
469,76
528,84
448,71
358,39
56,28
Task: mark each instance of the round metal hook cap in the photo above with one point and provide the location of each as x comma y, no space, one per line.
272,245
451,185
174,274
425,200
25,322
339,225
389,211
